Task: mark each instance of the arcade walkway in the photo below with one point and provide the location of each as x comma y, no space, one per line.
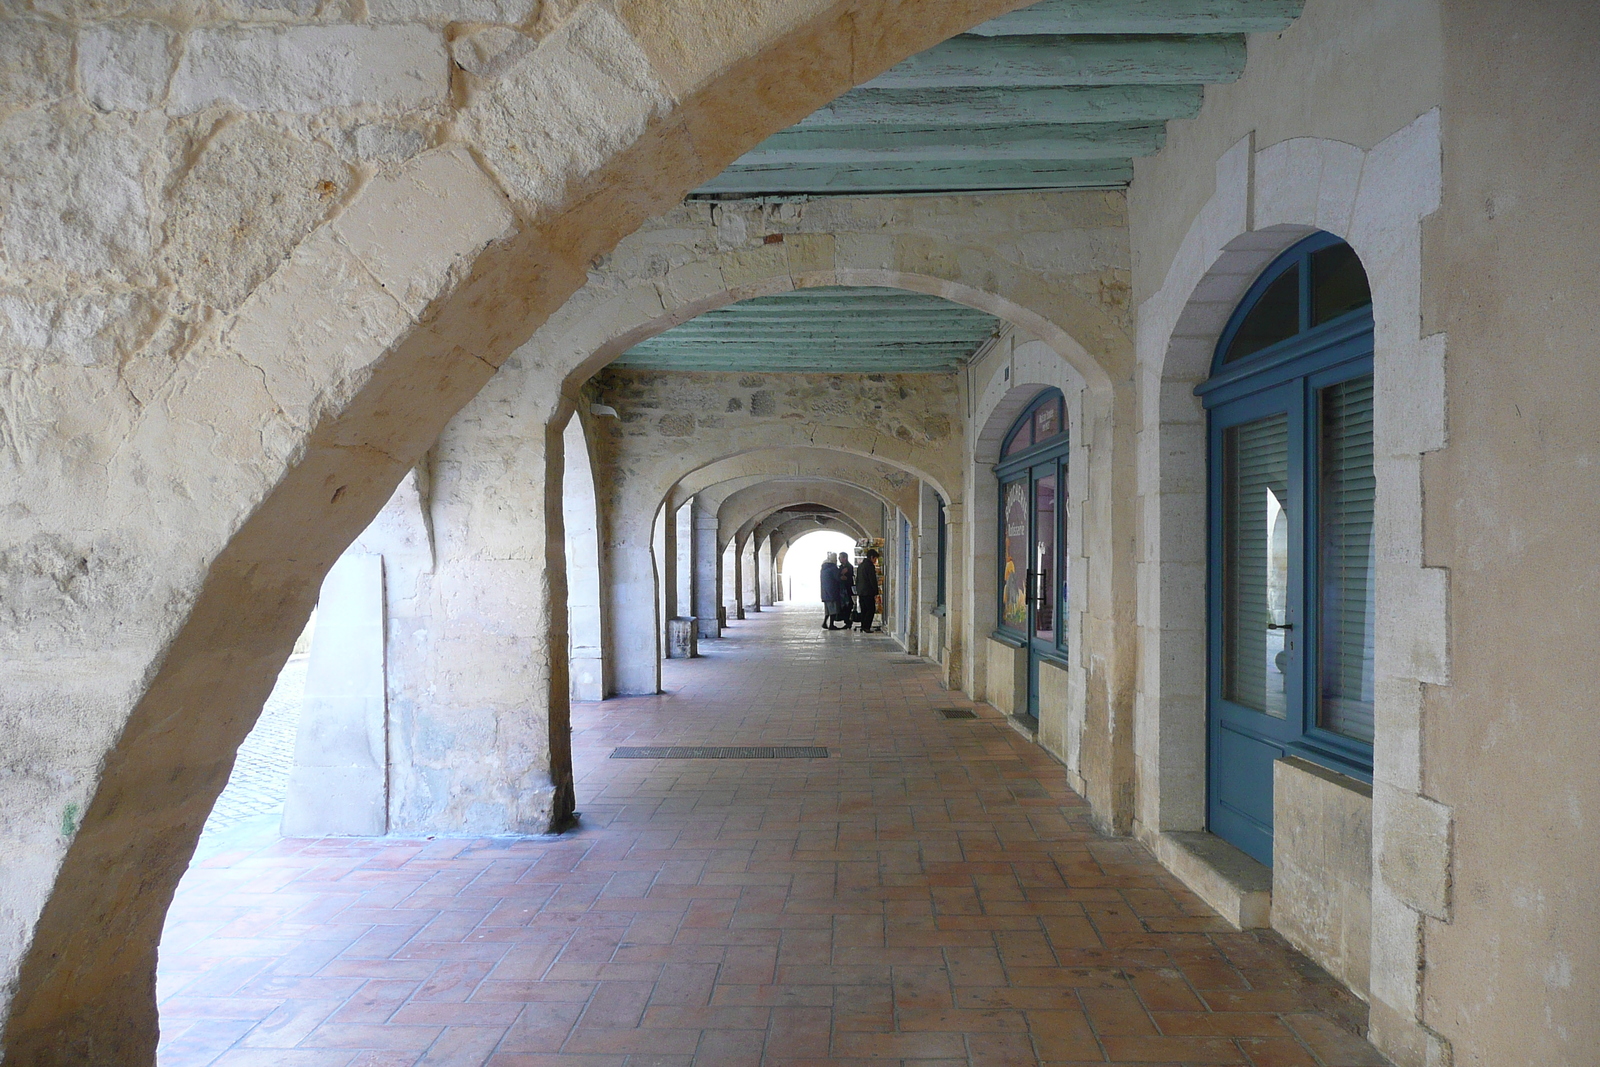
930,893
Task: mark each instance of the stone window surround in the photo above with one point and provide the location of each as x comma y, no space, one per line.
1265,201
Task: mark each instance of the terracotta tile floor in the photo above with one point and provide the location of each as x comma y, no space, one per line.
930,894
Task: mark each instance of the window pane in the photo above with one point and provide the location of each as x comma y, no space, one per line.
1338,284
1047,421
1044,557
1275,317
1063,563
1024,439
1256,563
1345,569
1013,589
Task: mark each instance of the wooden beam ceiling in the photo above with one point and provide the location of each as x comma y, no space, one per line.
836,329
1060,95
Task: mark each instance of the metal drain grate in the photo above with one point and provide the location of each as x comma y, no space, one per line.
958,713
722,752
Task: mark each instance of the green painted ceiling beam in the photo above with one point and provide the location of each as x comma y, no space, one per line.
957,108
1063,94
858,329
1020,62
1144,16
827,298
923,177
912,343
799,366
1101,140
889,333
833,317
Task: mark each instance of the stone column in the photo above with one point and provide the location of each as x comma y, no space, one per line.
957,599
636,615
340,781
664,556
750,567
479,694
586,651
707,592
688,552
929,640
766,575
733,578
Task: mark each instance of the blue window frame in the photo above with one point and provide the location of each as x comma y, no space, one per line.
1033,569
1290,561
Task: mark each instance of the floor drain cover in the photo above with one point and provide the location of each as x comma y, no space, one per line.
958,713
722,752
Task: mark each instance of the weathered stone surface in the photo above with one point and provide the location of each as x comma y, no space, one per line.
441,206
491,51
382,142
39,326
35,62
1413,836
515,12
125,65
307,68
74,188
252,194
1322,868
595,86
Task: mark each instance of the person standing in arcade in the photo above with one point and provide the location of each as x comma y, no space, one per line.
867,589
847,589
830,590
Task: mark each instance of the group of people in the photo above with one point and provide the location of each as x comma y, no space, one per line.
843,584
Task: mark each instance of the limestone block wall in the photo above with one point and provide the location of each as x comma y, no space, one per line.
1007,674
1322,868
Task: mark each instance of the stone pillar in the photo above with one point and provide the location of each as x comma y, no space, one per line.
750,567
585,644
733,578
688,551
664,555
638,599
957,588
479,696
929,638
340,781
707,591
766,574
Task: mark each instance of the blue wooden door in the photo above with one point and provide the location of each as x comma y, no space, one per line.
1290,564
1257,565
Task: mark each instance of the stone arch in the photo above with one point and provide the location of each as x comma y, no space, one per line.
733,528
744,508
887,479
1264,202
634,636
790,532
295,418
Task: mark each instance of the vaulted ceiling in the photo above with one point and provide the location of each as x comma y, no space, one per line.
834,329
1060,95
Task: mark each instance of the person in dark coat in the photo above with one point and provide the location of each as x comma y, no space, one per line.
830,590
847,590
867,589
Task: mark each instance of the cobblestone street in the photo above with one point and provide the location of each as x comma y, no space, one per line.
260,778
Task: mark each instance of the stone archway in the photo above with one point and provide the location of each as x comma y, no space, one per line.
259,437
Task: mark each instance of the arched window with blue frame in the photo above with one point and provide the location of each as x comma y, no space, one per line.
1290,571
1033,586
